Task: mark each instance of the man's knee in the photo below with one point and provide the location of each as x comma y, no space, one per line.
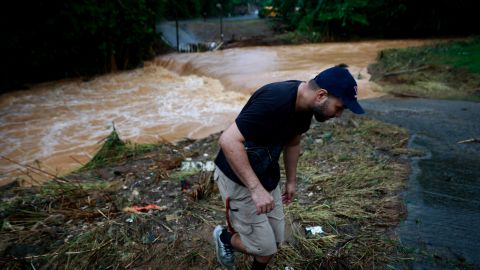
264,249
256,246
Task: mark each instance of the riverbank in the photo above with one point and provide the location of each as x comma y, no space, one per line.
447,70
350,174
44,127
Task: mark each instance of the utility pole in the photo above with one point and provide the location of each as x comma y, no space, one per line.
219,6
176,29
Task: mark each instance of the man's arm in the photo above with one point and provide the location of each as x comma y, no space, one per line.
232,145
290,159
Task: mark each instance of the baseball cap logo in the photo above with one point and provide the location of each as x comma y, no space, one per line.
356,91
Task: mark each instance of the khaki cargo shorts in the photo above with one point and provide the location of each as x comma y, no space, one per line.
260,234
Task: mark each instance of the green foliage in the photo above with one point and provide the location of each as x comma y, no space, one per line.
463,54
114,150
124,30
55,39
449,70
334,19
347,13
324,16
47,40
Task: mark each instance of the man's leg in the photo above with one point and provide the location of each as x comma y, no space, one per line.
238,245
255,235
221,236
227,239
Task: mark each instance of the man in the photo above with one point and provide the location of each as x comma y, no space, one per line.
247,171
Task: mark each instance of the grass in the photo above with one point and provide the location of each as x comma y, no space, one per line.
115,150
350,175
448,70
462,54
353,196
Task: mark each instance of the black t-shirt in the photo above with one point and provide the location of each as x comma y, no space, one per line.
267,122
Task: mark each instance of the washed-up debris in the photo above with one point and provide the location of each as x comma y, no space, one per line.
171,217
189,165
149,238
82,223
185,185
313,230
472,140
327,136
143,209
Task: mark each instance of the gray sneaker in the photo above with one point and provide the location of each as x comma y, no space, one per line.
224,252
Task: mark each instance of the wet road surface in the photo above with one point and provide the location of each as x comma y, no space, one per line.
442,228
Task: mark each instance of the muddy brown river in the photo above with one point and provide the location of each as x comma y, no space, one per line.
58,125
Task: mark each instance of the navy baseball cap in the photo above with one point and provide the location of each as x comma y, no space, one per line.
340,83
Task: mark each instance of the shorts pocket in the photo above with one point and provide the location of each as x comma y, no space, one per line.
244,211
243,217
243,228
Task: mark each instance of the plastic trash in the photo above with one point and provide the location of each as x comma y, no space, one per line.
313,230
189,165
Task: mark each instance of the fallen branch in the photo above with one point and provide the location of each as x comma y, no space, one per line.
66,253
56,178
78,161
472,140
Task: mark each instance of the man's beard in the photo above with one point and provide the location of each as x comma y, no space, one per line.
320,112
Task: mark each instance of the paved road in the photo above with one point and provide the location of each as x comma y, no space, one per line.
443,198
168,31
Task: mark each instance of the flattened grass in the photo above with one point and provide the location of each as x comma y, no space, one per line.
443,70
349,185
349,179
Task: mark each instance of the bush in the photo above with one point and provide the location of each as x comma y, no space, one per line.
48,40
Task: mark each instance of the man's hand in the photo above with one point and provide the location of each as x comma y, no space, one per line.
290,158
287,196
232,145
263,199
